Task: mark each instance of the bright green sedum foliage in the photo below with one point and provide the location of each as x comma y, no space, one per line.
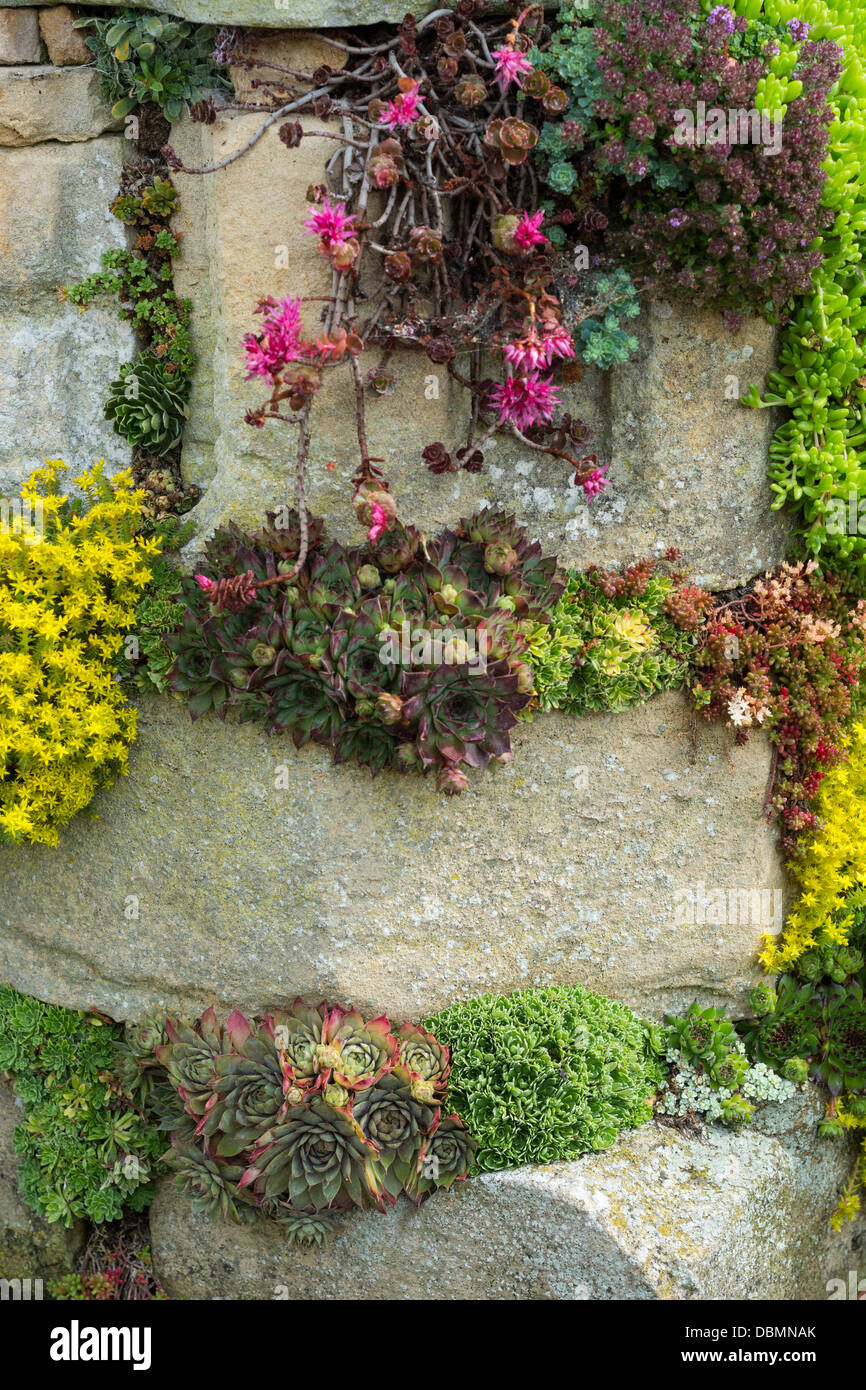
609,652
547,1074
85,1151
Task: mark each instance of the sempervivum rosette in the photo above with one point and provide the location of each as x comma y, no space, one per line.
360,1052
298,1037
210,1184
423,1058
248,1089
460,714
189,1057
319,1158
395,1122
446,1158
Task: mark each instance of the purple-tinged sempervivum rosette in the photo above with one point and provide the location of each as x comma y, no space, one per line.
396,1123
427,1061
446,1157
319,1158
460,714
189,1058
358,1053
248,1091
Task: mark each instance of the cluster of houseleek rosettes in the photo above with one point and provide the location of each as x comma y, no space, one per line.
299,1114
788,656
404,653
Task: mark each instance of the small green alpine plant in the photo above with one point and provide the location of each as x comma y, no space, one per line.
85,1150
547,1074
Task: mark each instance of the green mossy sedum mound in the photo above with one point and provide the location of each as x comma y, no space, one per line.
548,1074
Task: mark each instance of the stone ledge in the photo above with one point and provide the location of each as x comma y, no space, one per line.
201,881
49,103
661,1215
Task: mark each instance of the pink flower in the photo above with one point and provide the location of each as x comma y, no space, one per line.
558,343
280,341
510,66
207,584
533,351
525,401
379,523
526,234
403,110
596,482
331,223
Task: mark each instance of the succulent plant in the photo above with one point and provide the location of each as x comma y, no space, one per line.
211,1186
395,1122
325,657
462,716
318,1158
446,1157
365,1049
189,1057
248,1095
304,1228
422,1056
147,404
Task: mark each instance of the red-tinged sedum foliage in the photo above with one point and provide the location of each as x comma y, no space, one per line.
788,657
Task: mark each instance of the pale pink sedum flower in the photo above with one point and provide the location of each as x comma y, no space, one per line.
510,66
525,401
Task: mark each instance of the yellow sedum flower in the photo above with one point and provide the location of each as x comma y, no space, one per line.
833,864
65,603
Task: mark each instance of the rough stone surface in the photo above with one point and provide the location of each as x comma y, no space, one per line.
30,1248
64,42
19,35
289,49
48,103
661,1215
688,465
282,14
231,868
57,362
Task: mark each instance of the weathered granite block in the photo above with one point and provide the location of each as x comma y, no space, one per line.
688,463
661,1215
281,14
58,361
49,103
228,867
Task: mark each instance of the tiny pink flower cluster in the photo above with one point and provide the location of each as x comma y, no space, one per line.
403,110
511,66
280,343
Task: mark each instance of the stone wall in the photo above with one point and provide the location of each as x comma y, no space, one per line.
627,852
59,170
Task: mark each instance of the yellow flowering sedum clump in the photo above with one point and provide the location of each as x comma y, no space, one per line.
833,865
65,602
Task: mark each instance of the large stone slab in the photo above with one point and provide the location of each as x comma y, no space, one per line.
57,361
228,867
30,1248
281,14
688,463
661,1215
50,103
19,35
